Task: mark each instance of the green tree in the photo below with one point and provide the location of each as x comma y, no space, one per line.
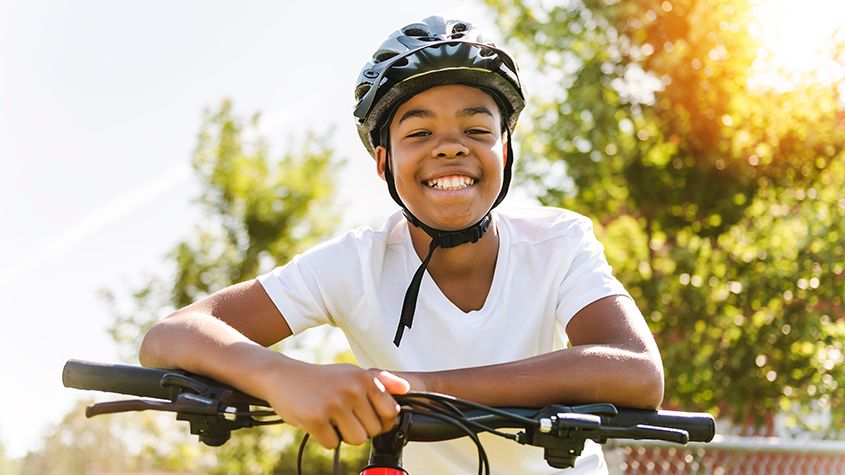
257,213
717,200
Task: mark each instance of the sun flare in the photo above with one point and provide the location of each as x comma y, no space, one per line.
797,41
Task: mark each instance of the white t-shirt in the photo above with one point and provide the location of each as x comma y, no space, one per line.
549,266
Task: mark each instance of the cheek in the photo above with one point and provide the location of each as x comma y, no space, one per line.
399,167
404,175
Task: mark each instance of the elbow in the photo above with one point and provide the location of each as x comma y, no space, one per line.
147,352
655,395
640,382
650,384
150,353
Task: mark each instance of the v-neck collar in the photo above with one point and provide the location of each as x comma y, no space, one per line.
429,288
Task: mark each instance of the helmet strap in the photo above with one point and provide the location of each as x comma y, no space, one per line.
439,238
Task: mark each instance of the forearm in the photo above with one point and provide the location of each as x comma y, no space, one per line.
583,374
331,402
202,344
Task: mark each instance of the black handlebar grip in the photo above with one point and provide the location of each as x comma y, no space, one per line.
700,425
115,378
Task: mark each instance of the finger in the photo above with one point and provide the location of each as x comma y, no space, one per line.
350,428
385,407
369,419
325,434
392,383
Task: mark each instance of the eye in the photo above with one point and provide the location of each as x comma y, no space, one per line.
419,133
476,131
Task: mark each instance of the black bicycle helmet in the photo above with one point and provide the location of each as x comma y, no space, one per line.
419,56
426,54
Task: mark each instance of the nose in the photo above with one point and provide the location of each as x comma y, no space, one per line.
450,147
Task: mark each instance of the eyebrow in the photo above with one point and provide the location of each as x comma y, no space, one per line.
428,114
470,111
418,113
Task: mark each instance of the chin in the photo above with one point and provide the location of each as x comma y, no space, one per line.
453,223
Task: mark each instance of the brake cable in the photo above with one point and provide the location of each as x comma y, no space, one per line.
461,416
445,399
299,456
483,463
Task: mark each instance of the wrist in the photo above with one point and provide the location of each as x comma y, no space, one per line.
268,370
424,381
434,383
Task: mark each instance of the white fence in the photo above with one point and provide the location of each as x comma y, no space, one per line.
728,455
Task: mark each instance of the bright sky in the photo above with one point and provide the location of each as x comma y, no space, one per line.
100,103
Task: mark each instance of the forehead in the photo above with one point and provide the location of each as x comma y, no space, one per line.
447,98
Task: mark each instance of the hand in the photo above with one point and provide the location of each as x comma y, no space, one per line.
335,402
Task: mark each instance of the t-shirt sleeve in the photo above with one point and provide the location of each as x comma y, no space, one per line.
320,286
589,277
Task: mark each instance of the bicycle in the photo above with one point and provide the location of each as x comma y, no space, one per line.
214,410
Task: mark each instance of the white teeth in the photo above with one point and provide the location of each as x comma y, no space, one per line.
450,182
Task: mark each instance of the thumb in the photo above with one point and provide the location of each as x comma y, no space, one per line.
392,383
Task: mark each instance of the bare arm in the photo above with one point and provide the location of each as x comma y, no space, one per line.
224,336
613,358
242,313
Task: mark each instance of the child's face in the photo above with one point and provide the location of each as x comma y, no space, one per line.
446,155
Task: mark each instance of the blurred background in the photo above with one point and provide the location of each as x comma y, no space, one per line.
152,153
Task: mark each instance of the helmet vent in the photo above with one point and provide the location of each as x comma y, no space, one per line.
458,28
361,90
416,31
486,52
384,55
399,63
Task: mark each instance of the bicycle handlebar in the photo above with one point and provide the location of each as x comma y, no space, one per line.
148,382
113,378
215,409
698,426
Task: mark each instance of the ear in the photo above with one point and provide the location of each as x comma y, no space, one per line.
381,160
505,149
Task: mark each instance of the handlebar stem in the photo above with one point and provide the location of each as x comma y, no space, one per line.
386,451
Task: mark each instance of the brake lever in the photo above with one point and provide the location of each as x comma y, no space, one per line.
185,403
133,405
129,405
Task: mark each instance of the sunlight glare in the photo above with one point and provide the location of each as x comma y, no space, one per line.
796,42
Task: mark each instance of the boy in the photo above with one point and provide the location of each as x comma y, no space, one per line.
435,107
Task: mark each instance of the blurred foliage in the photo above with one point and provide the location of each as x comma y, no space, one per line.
257,213
7,466
145,442
719,202
77,445
274,450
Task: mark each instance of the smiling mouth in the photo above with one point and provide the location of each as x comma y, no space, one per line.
452,182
